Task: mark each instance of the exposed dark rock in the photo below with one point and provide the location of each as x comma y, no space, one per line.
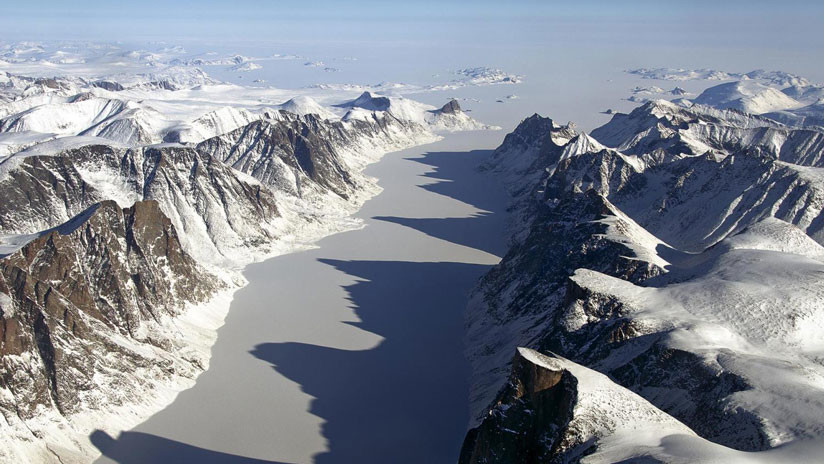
274,151
526,423
111,86
64,295
451,107
296,154
673,129
601,210
570,236
48,82
81,97
369,102
44,191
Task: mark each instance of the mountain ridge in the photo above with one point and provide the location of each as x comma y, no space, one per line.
664,263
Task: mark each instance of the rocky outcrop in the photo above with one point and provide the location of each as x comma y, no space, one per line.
369,102
451,107
111,86
553,410
450,117
529,415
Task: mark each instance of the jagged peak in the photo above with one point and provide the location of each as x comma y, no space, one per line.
580,144
658,108
534,126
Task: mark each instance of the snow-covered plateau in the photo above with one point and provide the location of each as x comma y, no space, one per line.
131,203
668,266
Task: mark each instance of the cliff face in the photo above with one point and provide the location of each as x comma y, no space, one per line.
526,422
83,307
553,410
217,211
517,302
288,153
307,156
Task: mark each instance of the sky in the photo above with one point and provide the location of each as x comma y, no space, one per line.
735,29
755,21
564,48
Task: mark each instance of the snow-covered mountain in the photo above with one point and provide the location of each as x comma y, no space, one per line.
786,98
213,123
312,160
780,78
554,410
102,316
303,105
747,96
130,206
678,252
145,112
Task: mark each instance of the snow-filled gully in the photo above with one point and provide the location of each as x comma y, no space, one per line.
350,352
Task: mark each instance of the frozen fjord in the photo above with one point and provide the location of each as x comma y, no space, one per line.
350,352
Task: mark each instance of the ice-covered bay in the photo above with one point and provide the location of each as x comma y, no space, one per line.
350,352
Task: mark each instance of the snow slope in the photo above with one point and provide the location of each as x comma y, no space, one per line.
747,96
303,105
418,113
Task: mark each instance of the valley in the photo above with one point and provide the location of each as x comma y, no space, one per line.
367,360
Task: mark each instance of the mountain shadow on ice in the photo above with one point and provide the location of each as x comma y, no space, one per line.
482,231
387,403
456,230
140,448
450,170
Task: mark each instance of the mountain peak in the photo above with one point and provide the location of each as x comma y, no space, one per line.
369,102
451,107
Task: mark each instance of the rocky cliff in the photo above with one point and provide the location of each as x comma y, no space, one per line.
217,210
84,307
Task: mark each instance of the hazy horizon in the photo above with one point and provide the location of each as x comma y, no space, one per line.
738,34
